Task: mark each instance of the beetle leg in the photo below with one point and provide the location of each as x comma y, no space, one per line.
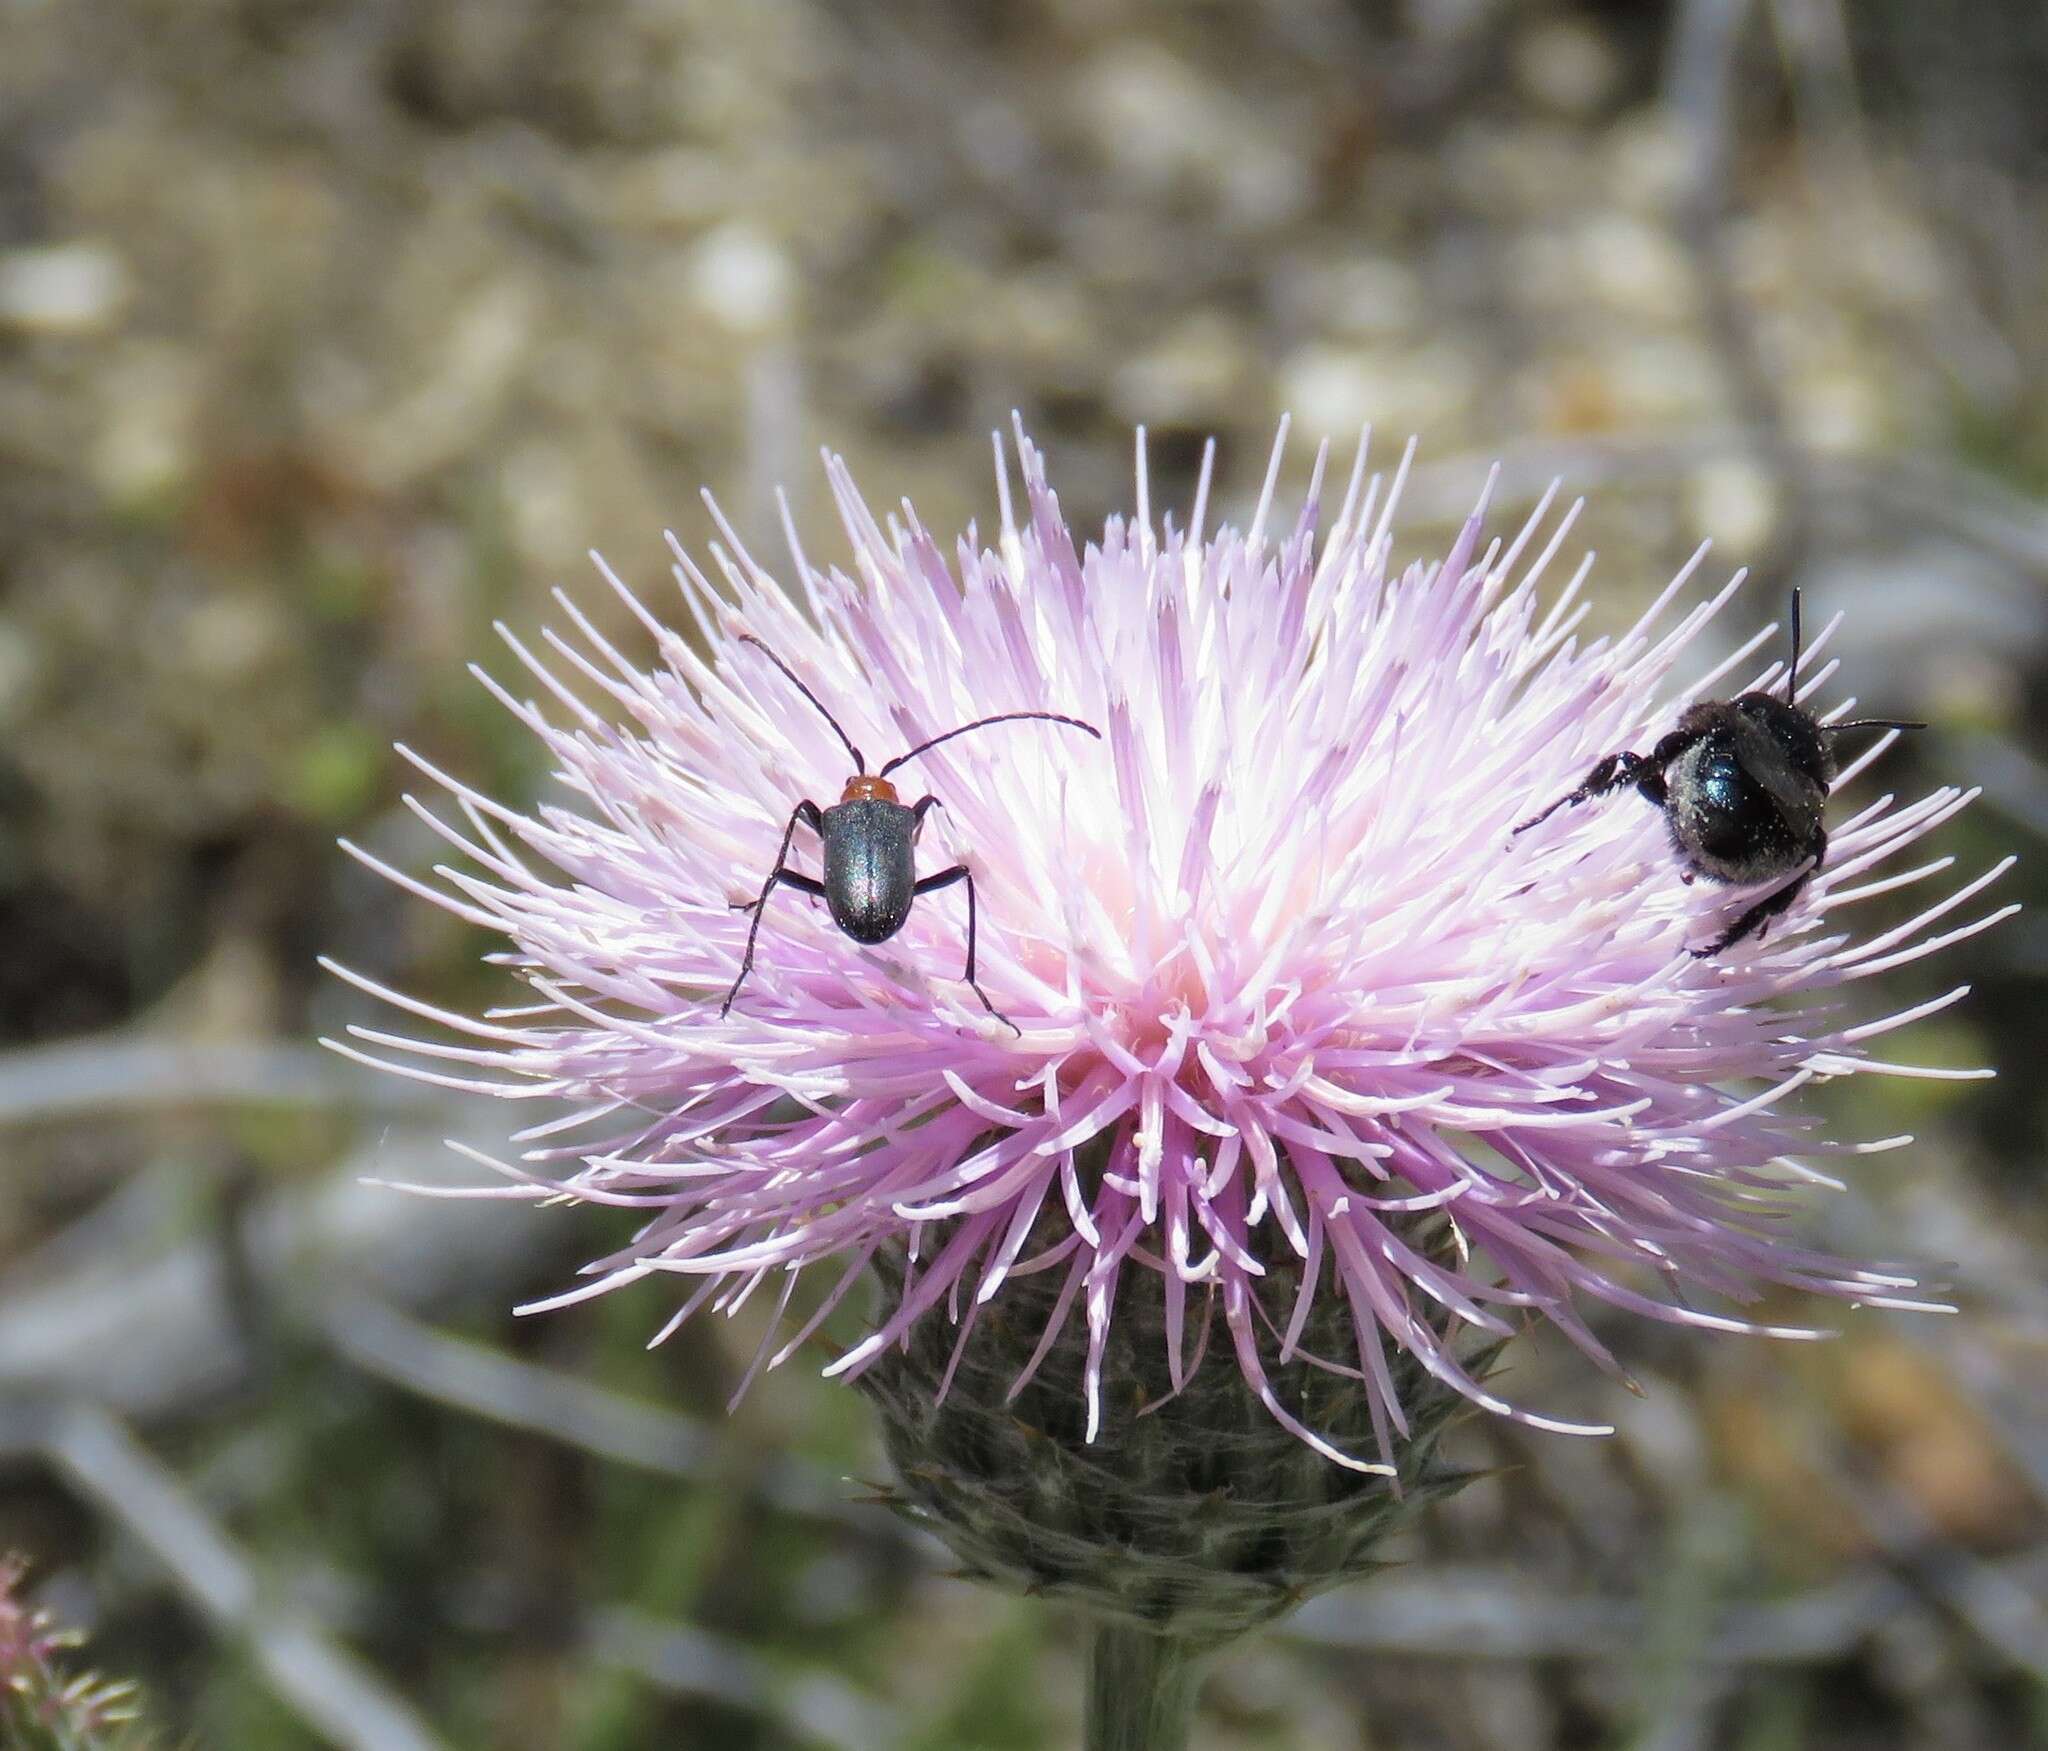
923,807
806,812
945,879
1619,771
1758,918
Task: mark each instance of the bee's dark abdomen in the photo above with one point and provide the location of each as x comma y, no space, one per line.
1725,823
869,870
1725,801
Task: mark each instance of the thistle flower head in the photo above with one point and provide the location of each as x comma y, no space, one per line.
42,1707
1311,1050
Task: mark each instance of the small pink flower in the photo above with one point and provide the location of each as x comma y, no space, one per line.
1287,986
39,1702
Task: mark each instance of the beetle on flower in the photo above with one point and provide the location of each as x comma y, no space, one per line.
1294,1031
868,838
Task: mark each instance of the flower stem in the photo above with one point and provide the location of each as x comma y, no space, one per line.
1141,1690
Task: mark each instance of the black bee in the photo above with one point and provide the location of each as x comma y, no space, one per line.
1743,784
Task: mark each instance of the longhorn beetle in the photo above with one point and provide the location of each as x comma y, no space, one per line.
868,836
1742,783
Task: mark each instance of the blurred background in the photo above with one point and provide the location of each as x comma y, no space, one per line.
333,330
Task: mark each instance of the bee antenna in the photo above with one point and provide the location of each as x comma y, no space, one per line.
860,764
1792,674
1875,723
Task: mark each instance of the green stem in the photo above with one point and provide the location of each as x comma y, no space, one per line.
1141,1690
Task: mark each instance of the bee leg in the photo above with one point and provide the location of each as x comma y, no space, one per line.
1758,918
1619,771
1612,773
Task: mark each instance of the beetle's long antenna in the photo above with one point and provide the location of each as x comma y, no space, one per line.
982,723
1792,674
859,762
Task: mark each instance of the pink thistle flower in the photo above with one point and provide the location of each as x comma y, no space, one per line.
1287,987
40,1705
